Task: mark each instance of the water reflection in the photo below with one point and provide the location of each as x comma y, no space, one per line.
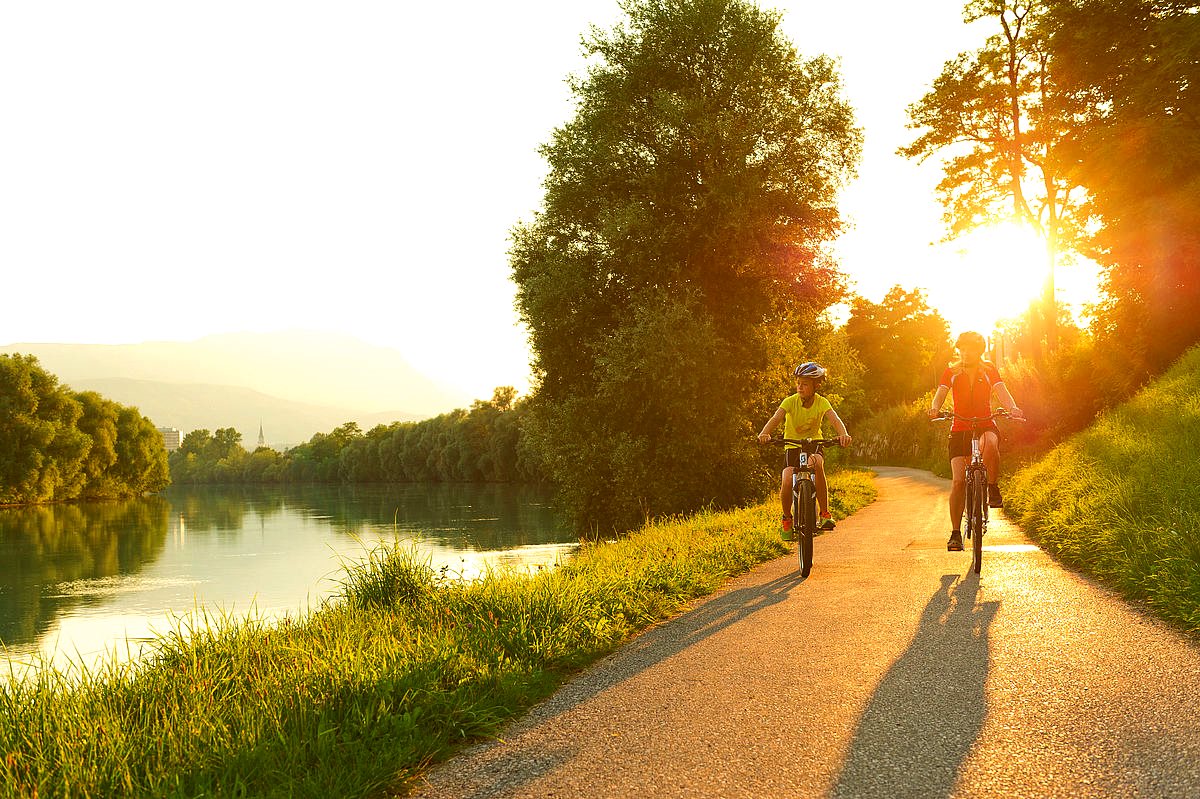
43,548
79,580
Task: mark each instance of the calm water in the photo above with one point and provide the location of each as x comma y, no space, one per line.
77,581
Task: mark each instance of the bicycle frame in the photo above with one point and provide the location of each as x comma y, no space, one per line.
977,505
975,501
804,496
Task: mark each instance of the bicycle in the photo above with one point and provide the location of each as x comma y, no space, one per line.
804,496
976,499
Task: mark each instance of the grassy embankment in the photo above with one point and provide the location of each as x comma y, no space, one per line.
362,693
1119,500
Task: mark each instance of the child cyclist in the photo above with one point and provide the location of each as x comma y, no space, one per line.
802,414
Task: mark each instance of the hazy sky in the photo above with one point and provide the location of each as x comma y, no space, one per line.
170,170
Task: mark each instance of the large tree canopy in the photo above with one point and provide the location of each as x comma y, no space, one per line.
1131,69
56,444
998,116
676,262
903,344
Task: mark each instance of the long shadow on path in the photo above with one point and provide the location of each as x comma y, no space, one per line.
516,767
663,642
925,716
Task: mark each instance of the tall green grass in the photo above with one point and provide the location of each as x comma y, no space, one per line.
361,694
1120,500
902,435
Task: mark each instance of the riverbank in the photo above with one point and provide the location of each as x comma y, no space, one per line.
407,665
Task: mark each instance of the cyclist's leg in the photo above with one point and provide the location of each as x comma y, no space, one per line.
785,491
958,490
818,464
989,444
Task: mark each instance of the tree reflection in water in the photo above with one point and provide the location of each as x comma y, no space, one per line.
237,545
44,546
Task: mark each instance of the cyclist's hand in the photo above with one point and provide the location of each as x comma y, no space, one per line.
933,414
763,438
845,440
1017,413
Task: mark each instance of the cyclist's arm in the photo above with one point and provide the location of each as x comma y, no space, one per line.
771,424
1006,399
939,398
838,425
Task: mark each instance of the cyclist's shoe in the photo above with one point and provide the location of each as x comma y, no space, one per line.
827,522
994,498
787,526
955,542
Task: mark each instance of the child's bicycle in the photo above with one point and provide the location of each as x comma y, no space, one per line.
804,496
977,499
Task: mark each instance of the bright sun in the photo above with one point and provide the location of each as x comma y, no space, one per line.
995,272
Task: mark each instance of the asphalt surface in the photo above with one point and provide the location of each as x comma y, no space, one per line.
890,672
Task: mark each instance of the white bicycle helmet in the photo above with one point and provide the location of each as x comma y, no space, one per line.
810,369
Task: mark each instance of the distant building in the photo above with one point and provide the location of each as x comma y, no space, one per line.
171,438
262,440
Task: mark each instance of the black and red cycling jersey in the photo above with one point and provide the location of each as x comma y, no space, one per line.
972,392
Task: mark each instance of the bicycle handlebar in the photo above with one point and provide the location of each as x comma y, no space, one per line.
808,442
999,413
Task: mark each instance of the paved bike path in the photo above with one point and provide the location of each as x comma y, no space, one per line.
890,672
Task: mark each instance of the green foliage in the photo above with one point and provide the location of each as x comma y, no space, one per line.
902,435
1119,499
903,345
1131,71
678,242
358,696
483,444
56,444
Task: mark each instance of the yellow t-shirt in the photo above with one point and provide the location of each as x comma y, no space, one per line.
802,422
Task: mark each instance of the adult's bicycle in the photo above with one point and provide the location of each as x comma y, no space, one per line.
976,495
804,495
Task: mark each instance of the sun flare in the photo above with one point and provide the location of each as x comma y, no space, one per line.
994,273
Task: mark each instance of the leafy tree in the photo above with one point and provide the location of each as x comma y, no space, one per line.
205,457
1000,116
41,448
99,422
902,343
680,235
141,464
1131,72
56,444
194,442
224,443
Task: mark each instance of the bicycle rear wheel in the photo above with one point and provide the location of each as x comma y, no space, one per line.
976,499
806,502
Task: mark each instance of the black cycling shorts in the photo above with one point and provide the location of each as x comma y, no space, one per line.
960,441
791,457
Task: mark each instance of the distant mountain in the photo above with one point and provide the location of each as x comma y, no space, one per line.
192,406
299,366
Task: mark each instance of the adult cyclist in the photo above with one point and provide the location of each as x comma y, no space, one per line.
972,382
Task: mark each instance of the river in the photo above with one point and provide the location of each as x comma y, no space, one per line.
83,582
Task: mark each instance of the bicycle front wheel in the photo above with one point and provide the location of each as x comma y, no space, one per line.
976,500
806,500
